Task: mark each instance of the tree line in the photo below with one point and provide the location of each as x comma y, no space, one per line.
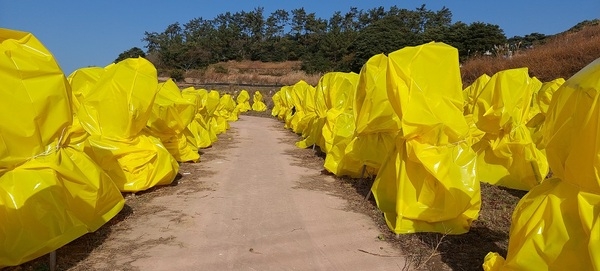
343,42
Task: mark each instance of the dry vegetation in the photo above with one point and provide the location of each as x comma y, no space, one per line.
252,73
562,56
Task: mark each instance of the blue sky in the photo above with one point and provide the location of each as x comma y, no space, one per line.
93,33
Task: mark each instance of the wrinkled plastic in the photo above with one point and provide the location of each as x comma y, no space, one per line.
171,114
115,114
376,122
539,108
507,155
257,102
50,192
556,225
197,132
297,100
428,183
276,103
339,127
243,101
82,82
217,124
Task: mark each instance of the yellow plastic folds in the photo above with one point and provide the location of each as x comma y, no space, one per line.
507,155
556,226
339,127
217,124
298,96
50,193
171,114
276,104
257,102
428,183
81,81
540,104
376,122
243,101
115,113
197,132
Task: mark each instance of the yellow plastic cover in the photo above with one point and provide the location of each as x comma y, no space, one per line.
171,114
115,114
298,94
197,132
276,103
257,102
81,81
556,226
376,122
339,128
428,183
243,101
50,193
539,108
507,155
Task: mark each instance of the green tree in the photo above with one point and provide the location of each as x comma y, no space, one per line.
131,53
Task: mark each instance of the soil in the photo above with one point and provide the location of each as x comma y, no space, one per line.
254,202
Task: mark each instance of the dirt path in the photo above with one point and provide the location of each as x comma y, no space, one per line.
244,207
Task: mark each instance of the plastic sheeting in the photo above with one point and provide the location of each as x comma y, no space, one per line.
507,155
243,101
50,192
428,183
171,114
539,108
115,113
197,132
376,122
556,225
257,102
339,127
276,104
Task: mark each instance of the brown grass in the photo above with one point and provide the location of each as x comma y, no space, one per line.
562,56
252,73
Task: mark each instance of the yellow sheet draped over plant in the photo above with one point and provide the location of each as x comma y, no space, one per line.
507,155
50,192
243,101
82,81
197,132
115,113
276,104
217,123
428,183
339,127
257,102
556,226
297,96
171,114
376,122
539,108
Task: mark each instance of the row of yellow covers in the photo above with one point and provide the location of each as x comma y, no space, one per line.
50,191
402,118
70,146
556,225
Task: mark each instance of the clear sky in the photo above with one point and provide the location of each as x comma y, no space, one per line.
84,33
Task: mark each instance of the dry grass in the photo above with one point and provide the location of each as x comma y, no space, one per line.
252,73
562,56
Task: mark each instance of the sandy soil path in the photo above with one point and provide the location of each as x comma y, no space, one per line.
251,214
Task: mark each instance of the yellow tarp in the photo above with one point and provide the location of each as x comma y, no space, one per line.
243,101
507,155
50,193
298,96
539,108
197,132
556,226
428,183
257,102
171,114
115,113
339,128
276,104
82,82
217,124
376,122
